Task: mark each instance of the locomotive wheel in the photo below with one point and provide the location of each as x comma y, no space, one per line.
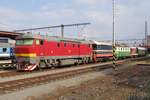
38,67
42,64
85,60
59,62
77,62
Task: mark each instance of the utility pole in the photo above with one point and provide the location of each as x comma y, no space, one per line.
113,34
113,24
62,31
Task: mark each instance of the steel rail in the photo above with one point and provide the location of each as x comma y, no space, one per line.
15,73
10,86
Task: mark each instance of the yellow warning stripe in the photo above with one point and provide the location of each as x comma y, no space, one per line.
26,54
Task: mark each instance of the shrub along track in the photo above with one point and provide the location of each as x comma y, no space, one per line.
10,86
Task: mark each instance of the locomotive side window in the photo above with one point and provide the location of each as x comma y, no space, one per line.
19,42
94,46
65,44
4,49
24,42
41,42
78,45
58,45
104,47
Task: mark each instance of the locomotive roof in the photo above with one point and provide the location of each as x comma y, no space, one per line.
52,38
100,43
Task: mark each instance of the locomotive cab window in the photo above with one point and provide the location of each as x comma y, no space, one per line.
37,42
24,42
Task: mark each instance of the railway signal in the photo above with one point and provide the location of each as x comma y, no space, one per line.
57,26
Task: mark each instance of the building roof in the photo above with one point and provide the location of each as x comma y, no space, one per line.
9,34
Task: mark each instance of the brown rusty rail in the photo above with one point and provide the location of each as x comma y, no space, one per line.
9,86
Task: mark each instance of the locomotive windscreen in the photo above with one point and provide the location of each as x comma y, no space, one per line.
24,42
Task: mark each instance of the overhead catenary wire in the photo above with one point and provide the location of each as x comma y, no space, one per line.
62,26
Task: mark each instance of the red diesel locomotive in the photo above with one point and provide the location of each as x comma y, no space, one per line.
44,51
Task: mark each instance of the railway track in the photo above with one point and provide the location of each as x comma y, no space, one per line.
10,86
15,73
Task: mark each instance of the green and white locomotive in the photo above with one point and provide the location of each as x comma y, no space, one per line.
122,52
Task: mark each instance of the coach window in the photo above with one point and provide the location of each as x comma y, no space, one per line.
37,42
